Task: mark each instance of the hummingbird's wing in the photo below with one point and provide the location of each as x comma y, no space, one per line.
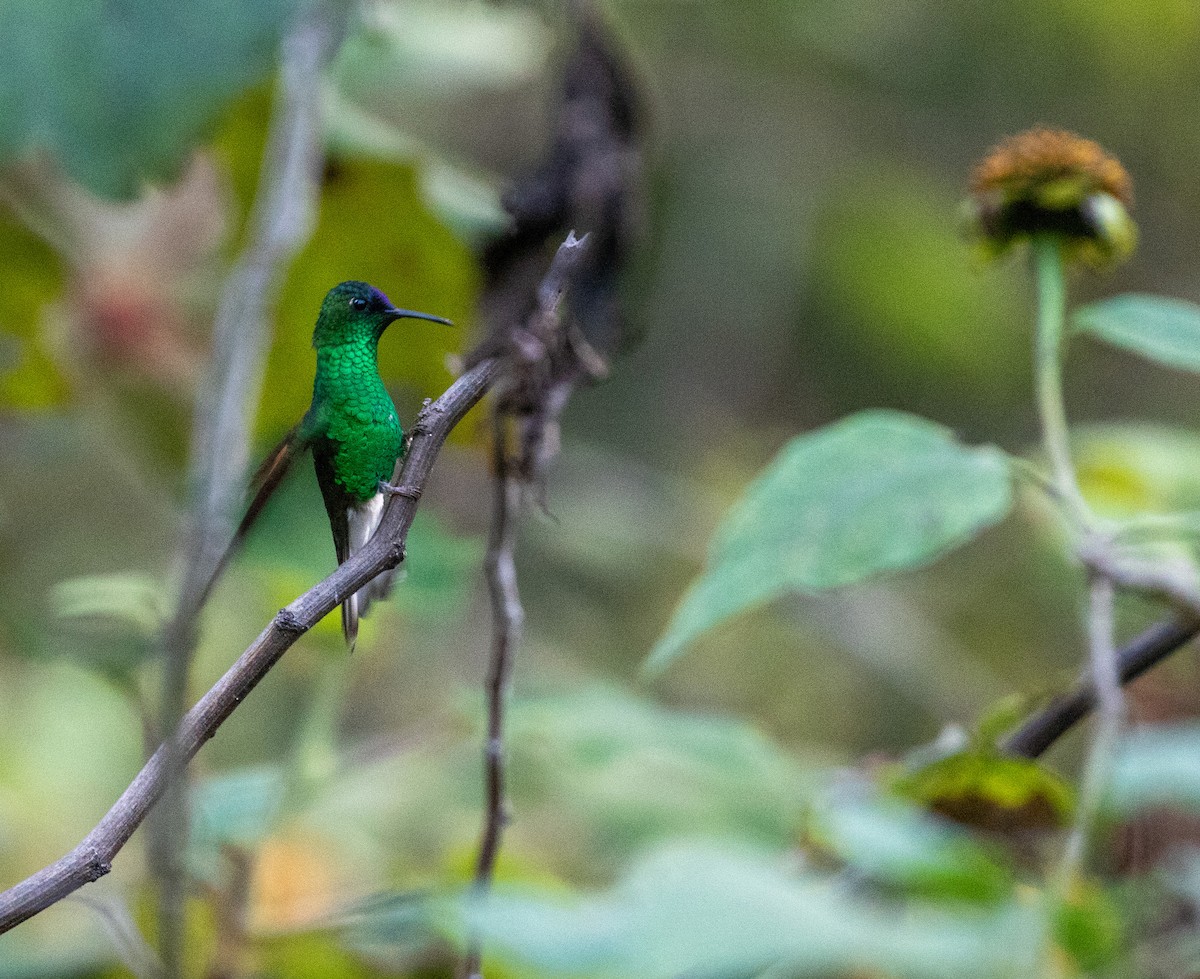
264,482
338,504
268,476
353,523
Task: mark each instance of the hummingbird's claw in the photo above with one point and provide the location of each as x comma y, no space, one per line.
408,492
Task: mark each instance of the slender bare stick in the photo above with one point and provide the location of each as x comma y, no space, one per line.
93,857
281,223
532,348
508,618
1102,660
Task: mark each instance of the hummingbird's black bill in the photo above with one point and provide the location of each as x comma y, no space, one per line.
408,314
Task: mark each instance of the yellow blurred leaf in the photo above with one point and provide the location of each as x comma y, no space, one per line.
30,277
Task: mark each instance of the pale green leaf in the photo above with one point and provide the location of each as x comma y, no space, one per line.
1156,327
233,809
1129,470
439,46
712,912
600,757
1157,767
880,491
894,842
134,600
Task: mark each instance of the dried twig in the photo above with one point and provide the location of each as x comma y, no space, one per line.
1037,733
93,857
590,179
531,345
508,617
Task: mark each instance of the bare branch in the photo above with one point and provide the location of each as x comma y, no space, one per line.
1035,736
508,617
533,345
93,857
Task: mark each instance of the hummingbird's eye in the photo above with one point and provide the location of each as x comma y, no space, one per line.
358,303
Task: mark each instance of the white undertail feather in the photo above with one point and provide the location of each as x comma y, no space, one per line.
362,521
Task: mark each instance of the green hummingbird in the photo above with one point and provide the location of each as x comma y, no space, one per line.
353,431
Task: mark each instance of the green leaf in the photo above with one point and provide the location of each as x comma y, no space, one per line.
1089,928
120,617
436,46
387,925
711,912
237,809
894,842
309,956
1156,327
464,200
29,377
1129,470
880,491
989,791
589,766
600,758
120,94
132,600
1157,767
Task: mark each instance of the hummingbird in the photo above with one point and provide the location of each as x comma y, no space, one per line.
352,429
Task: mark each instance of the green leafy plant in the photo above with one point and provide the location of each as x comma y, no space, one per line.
333,829
882,492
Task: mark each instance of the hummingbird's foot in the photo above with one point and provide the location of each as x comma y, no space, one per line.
408,492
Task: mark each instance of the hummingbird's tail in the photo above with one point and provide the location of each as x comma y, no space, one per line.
362,520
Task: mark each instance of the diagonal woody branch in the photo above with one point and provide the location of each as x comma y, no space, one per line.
93,857
1042,729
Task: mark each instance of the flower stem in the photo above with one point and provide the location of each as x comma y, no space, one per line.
1106,679
1051,317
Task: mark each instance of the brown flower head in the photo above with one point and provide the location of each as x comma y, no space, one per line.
1047,181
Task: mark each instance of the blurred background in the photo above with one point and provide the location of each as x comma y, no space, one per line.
800,258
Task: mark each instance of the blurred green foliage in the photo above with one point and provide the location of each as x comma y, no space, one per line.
688,909
803,264
1162,329
878,492
120,97
29,378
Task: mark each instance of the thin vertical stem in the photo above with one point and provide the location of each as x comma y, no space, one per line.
508,618
1051,317
285,206
1110,709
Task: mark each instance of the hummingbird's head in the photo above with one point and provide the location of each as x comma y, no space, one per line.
354,311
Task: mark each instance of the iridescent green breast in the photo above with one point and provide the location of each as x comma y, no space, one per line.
353,422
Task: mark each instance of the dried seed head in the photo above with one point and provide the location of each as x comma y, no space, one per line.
1047,181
